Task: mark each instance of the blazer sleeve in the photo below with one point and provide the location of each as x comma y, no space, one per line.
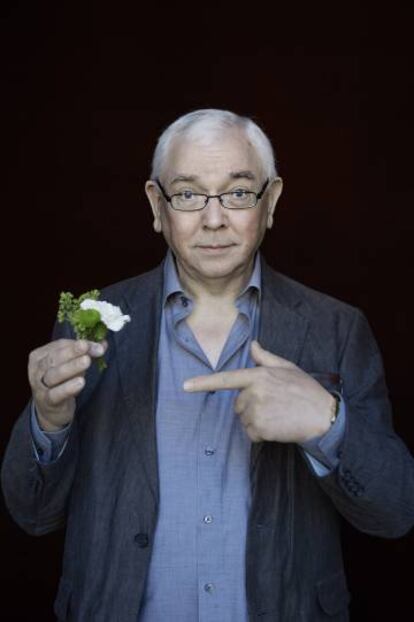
373,485
36,495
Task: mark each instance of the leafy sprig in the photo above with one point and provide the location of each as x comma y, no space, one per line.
86,323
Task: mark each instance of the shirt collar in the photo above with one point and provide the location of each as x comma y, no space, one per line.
172,283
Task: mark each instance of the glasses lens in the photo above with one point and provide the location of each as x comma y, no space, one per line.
188,201
239,199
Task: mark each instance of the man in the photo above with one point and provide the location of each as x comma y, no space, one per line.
203,475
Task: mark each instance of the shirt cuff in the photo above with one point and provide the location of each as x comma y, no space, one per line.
323,451
47,446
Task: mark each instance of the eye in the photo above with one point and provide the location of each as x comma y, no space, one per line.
186,195
239,193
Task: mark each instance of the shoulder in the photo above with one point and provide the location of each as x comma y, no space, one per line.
332,326
322,311
298,295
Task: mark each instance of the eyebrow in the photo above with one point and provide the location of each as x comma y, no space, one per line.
233,175
243,175
188,178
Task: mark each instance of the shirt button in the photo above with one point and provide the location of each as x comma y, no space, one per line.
208,519
209,588
209,451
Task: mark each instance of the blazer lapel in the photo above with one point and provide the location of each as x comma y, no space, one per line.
282,329
136,358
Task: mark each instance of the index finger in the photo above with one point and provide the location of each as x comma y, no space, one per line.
78,347
237,379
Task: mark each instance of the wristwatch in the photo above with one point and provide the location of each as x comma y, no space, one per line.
334,408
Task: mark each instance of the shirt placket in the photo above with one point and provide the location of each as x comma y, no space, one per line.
215,427
210,531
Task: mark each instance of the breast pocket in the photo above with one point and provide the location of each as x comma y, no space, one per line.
330,381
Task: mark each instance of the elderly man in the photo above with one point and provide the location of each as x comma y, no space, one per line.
203,475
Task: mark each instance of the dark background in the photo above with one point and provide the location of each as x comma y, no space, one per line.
86,90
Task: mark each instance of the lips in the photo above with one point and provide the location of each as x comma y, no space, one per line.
215,246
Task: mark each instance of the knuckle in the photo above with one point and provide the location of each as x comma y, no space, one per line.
80,346
53,397
85,361
261,375
268,373
34,358
223,381
77,385
51,379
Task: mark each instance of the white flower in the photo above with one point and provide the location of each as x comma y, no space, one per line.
111,315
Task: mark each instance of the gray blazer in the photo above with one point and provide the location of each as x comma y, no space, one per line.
104,488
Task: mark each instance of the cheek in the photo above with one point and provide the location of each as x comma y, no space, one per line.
178,230
252,227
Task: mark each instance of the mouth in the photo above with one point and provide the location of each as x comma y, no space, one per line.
215,247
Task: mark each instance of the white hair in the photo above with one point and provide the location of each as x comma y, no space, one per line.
206,125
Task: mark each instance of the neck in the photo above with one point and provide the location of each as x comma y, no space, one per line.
223,290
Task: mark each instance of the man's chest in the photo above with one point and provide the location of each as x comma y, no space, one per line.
211,332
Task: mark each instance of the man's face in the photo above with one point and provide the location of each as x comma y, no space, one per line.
213,243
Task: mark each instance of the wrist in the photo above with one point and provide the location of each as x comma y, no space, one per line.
325,417
45,425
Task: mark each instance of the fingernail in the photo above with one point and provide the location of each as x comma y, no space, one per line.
187,385
97,349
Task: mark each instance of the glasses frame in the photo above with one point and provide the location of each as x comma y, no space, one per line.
207,197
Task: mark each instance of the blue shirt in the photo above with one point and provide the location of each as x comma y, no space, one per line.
197,569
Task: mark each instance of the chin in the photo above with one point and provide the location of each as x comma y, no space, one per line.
221,269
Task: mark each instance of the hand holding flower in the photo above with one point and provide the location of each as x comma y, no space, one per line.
91,318
57,375
57,370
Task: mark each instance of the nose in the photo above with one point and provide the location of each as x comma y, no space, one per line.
214,215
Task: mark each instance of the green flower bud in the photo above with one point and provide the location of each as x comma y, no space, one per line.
86,318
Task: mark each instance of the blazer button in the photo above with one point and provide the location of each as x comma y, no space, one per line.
142,540
360,490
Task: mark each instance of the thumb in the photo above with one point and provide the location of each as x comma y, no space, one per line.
267,359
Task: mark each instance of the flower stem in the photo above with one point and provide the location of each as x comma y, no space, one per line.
101,363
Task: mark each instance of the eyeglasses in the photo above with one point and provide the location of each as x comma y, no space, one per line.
189,201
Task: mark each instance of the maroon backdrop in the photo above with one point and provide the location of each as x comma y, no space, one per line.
87,89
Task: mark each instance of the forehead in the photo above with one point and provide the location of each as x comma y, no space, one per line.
215,154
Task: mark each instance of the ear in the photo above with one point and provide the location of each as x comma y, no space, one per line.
154,197
274,191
